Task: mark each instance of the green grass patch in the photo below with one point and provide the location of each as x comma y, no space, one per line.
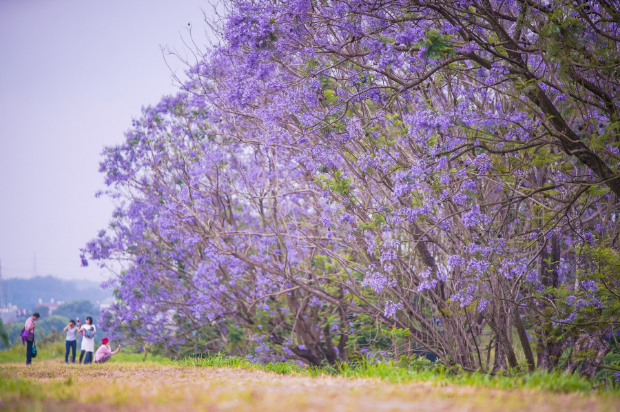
45,350
125,356
223,361
415,370
440,375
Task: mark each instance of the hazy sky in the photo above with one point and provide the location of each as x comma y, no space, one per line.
72,76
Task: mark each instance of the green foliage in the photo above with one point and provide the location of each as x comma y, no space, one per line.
51,324
14,329
4,334
600,284
78,308
436,45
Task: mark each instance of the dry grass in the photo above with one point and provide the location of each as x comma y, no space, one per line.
51,386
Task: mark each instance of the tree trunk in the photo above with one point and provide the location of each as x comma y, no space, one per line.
503,347
499,363
525,343
589,367
549,350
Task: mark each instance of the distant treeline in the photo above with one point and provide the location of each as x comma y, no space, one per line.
25,293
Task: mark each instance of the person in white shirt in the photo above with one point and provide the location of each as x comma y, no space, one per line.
71,342
88,343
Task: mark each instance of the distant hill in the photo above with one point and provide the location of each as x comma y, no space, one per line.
25,293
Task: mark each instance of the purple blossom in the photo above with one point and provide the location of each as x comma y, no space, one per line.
469,184
391,308
483,162
455,260
472,217
459,198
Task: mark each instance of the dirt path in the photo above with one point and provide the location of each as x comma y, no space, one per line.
137,387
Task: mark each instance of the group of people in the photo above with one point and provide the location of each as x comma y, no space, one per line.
87,331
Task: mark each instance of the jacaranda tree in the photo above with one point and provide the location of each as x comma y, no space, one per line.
401,176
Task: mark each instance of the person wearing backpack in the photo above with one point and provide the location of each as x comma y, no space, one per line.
28,336
88,341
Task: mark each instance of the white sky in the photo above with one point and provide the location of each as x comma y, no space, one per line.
72,76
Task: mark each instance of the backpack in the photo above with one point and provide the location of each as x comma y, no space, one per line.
89,333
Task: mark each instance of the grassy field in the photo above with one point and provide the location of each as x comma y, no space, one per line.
56,350
232,384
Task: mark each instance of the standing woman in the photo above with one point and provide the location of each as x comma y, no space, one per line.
70,343
88,341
